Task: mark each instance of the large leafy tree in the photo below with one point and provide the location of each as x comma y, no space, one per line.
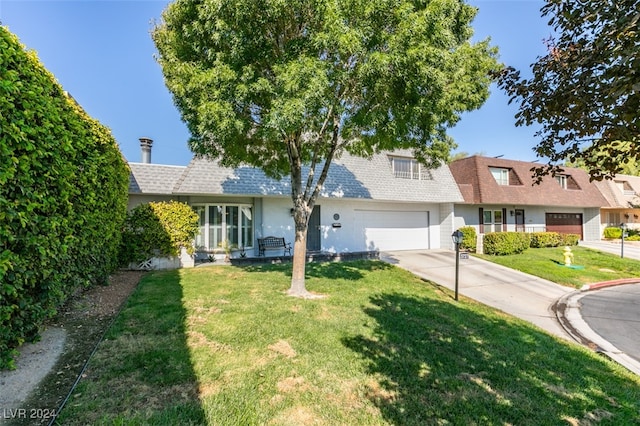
585,93
288,86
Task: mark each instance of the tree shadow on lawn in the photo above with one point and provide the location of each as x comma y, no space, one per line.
350,270
142,372
444,363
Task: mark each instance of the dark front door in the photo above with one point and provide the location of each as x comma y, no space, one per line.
519,220
313,231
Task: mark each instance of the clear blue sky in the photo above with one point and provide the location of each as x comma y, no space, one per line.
102,53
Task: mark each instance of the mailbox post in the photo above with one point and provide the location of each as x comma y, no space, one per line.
623,228
457,240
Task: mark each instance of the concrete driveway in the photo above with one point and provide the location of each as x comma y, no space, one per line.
516,293
552,307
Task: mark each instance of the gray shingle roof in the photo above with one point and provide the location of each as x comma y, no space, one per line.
148,178
349,177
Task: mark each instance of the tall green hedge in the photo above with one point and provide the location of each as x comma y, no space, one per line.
63,195
158,229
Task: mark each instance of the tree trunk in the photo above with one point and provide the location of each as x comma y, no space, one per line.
298,287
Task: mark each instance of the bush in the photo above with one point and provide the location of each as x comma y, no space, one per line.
545,239
158,229
505,243
469,238
63,197
612,232
569,239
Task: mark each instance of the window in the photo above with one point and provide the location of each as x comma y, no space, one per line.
493,221
562,181
408,168
625,187
500,175
218,223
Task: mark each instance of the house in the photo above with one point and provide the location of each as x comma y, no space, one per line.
387,202
500,195
623,197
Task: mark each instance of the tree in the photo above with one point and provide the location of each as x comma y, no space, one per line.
284,84
585,93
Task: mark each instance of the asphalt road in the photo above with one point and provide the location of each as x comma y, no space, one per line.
614,313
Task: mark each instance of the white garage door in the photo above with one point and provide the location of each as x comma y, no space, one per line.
395,230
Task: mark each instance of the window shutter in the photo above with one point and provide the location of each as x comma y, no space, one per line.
481,221
504,218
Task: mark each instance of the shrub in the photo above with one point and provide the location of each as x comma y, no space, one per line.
612,232
63,197
505,243
569,239
545,239
158,229
469,238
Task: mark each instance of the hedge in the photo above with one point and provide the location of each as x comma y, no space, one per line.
545,239
505,243
158,229
63,197
469,238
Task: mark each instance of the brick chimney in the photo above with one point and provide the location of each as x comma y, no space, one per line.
145,146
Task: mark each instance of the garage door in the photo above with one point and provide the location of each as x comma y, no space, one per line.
395,230
564,223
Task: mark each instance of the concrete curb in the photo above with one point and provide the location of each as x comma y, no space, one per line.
567,309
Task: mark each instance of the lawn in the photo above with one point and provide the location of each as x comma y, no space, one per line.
547,263
224,345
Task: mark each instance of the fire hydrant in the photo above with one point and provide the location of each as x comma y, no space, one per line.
568,256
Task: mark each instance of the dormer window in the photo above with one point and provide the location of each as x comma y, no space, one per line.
567,182
408,168
500,175
625,187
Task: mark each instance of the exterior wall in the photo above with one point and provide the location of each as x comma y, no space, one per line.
448,225
535,217
349,236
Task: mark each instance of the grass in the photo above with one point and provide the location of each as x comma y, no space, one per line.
225,346
547,263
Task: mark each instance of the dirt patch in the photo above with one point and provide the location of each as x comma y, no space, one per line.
68,342
283,347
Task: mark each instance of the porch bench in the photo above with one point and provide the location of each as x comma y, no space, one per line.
273,243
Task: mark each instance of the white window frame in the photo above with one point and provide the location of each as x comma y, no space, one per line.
414,171
501,175
244,231
562,181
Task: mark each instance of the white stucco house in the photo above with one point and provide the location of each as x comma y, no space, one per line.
388,202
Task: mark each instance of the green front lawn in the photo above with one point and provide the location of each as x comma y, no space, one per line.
548,263
225,346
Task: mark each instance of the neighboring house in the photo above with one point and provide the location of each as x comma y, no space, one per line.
388,202
500,195
623,196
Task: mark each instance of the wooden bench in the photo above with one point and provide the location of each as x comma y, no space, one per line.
273,243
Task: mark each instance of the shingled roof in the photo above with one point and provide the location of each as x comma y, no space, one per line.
147,178
623,191
349,177
478,185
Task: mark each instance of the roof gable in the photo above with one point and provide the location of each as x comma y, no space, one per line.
481,186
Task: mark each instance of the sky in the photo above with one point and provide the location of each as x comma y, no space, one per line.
101,52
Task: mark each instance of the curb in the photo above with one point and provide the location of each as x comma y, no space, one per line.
611,283
567,309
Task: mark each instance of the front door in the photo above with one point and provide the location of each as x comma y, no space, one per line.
313,230
519,220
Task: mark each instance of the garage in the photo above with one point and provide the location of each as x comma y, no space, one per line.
394,230
564,223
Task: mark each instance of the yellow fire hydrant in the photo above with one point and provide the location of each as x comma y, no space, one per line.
568,256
